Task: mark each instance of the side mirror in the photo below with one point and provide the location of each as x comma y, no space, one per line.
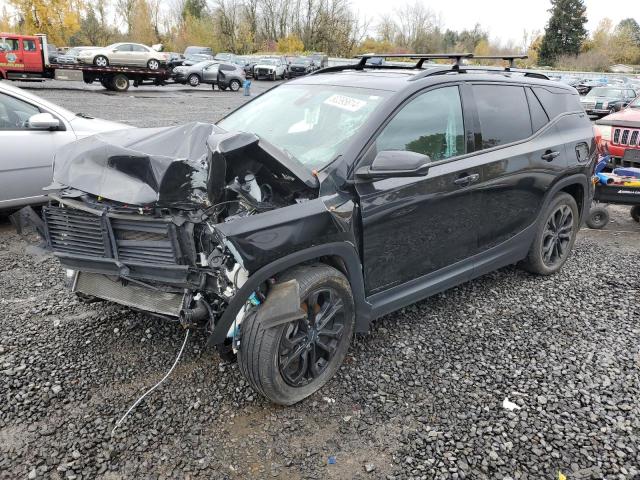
396,163
43,121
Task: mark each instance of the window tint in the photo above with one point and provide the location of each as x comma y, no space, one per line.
15,113
539,117
227,68
29,45
124,48
9,44
138,48
430,124
558,101
504,114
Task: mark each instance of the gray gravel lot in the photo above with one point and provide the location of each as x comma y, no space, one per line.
421,396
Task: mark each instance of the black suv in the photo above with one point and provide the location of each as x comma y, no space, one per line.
324,203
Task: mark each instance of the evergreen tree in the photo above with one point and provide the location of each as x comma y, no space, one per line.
565,31
194,8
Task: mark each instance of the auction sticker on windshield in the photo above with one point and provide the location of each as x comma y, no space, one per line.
344,102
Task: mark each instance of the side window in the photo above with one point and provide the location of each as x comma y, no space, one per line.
504,114
430,124
138,48
29,45
227,68
15,113
557,101
539,117
124,48
9,44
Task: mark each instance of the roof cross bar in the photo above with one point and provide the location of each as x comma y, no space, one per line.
420,57
509,58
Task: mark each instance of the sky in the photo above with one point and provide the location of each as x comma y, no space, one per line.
503,19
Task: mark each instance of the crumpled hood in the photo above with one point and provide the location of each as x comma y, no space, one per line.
182,166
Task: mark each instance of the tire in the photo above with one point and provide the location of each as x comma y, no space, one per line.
193,80
120,83
234,85
598,218
556,233
263,350
273,76
101,61
153,64
635,213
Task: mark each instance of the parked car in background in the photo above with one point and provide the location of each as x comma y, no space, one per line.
588,84
31,130
52,52
226,57
245,64
71,55
321,60
576,83
223,74
127,54
271,68
620,135
196,50
605,100
174,60
194,58
300,66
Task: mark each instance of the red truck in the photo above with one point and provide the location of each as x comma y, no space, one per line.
26,57
620,134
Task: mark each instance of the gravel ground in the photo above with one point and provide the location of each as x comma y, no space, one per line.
421,396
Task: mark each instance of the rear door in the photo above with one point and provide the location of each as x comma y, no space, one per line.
27,155
139,55
522,156
416,226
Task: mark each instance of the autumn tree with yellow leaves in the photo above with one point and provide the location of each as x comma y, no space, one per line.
58,19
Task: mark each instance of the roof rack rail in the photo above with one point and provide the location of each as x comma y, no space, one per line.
420,57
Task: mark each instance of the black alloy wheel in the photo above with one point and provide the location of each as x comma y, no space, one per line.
308,345
557,236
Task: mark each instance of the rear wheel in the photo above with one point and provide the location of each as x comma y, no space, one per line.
120,82
234,85
287,363
194,80
555,236
101,61
153,64
635,213
598,217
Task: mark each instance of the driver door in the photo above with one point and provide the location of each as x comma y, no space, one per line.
210,73
419,226
121,55
27,155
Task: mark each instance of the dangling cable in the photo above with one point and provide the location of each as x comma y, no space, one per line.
155,386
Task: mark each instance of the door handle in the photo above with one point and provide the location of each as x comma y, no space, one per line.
549,155
467,179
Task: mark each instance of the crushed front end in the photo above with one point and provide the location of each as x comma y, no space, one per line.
145,218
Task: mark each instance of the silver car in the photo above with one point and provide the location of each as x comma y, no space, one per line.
128,54
31,130
224,75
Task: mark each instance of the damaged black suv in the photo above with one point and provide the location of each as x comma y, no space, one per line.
322,204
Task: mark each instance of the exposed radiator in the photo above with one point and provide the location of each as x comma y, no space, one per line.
131,295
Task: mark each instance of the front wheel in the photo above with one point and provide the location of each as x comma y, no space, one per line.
194,80
101,61
556,233
287,363
635,213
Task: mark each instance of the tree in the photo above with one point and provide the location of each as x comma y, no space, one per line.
565,31
194,8
290,44
630,26
58,19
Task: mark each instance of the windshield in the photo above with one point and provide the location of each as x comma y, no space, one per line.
269,61
635,103
313,123
605,92
304,61
73,52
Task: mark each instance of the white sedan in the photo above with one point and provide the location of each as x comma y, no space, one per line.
31,130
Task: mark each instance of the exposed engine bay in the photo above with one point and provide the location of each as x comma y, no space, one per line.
156,219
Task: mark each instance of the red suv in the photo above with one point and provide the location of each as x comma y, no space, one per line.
620,134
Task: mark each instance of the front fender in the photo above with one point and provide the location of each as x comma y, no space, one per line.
346,251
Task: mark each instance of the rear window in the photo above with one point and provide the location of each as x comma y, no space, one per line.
504,114
558,101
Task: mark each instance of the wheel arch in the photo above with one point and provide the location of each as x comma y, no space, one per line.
578,187
340,255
